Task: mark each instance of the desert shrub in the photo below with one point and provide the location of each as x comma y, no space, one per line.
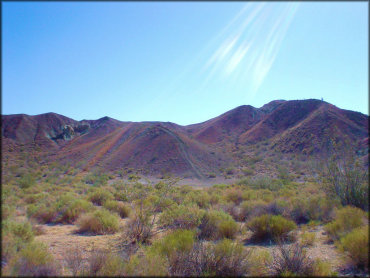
234,195
215,198
346,219
35,260
313,208
21,230
96,179
27,180
345,177
356,244
120,196
103,263
99,222
121,209
149,264
100,196
139,229
308,239
6,211
291,261
66,209
14,236
42,212
200,197
250,209
230,259
216,225
186,258
34,198
181,217
263,182
73,256
259,259
160,203
177,241
69,208
277,207
322,268
247,172
283,173
270,227
211,175
228,228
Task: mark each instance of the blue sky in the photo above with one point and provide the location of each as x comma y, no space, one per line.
182,62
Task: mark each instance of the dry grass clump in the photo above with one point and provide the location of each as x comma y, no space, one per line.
308,239
99,222
291,261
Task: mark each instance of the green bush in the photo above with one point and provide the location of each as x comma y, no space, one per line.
200,197
100,196
216,225
6,211
258,260
103,263
121,209
345,177
35,260
346,219
234,195
270,227
69,208
305,209
27,180
66,209
99,222
228,228
14,236
149,264
356,244
177,241
250,209
43,212
230,259
181,217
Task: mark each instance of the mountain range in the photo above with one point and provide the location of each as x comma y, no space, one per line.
289,127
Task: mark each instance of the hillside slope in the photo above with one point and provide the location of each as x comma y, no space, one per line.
298,126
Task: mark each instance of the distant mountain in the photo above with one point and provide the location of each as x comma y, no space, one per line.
298,126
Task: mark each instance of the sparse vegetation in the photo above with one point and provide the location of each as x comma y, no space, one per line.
221,230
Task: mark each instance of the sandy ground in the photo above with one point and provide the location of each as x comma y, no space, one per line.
60,238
